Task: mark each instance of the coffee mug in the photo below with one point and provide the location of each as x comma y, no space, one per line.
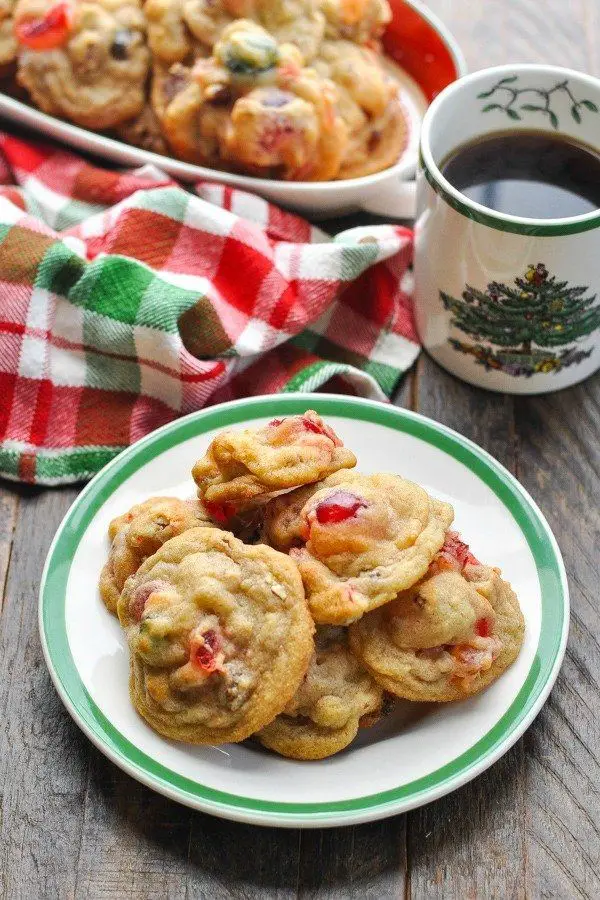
508,303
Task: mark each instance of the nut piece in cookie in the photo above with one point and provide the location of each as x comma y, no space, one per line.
336,697
449,636
364,539
243,469
86,61
219,634
139,533
252,107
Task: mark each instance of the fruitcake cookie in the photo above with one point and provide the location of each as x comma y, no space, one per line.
364,539
86,60
336,697
170,36
252,107
361,21
220,636
449,636
138,534
369,104
243,469
282,523
144,131
8,41
180,29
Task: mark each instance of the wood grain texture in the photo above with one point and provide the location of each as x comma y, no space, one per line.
242,862
43,756
133,842
559,462
366,862
527,31
9,503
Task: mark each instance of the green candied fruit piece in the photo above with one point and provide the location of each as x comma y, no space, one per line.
156,646
249,54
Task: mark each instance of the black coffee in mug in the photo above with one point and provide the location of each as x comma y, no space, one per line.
534,174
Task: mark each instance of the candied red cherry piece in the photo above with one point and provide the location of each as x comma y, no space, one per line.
456,553
204,649
316,425
221,512
337,507
46,32
309,425
310,422
307,422
141,595
484,627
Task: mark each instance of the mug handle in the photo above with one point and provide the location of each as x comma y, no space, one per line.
395,199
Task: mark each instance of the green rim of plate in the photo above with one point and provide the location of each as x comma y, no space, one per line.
99,729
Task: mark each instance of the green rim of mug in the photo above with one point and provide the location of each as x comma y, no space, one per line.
531,229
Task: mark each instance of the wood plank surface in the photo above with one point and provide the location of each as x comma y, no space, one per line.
43,755
9,504
74,826
471,843
559,462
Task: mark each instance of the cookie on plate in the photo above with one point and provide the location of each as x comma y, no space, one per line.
282,523
361,21
86,61
252,107
336,697
180,30
219,634
8,41
243,469
171,31
139,533
363,538
144,131
369,104
448,637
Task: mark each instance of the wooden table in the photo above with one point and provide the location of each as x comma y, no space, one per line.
73,825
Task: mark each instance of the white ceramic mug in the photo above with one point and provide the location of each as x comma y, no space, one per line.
472,263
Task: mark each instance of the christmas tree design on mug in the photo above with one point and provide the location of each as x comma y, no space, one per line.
522,323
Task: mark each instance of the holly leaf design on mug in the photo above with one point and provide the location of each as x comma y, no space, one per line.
505,89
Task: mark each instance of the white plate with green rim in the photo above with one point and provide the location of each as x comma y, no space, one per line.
417,754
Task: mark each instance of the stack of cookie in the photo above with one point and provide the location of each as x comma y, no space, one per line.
289,89
292,595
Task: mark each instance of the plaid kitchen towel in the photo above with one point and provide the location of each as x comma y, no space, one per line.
126,301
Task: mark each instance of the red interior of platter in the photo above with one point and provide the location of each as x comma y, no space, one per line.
414,44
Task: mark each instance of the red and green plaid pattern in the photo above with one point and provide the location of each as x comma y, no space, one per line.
126,301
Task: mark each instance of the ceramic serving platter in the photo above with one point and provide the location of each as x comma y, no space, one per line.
424,57
415,755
